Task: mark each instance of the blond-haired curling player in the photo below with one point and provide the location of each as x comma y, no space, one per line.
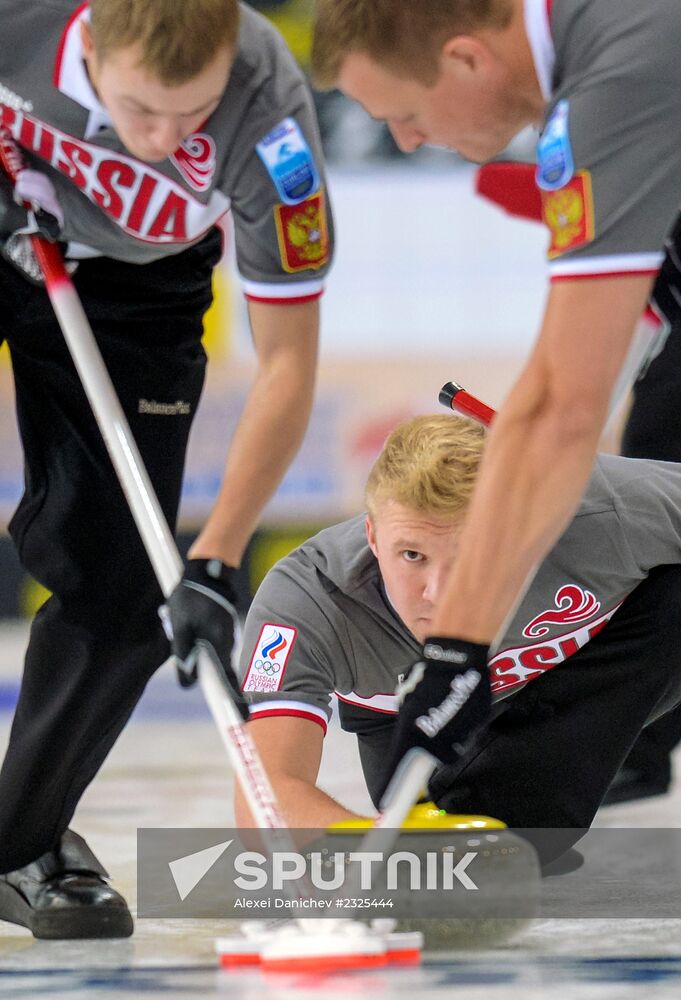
143,123
589,658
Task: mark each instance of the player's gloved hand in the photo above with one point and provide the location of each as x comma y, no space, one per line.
445,700
201,612
17,223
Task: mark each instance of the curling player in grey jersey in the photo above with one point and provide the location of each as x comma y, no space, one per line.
143,123
590,657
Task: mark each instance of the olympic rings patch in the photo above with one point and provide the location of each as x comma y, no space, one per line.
267,667
270,656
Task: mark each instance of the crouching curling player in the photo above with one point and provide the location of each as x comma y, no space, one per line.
590,657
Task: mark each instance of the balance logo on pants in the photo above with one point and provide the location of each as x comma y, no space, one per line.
270,656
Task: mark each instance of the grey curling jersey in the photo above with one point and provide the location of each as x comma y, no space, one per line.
609,157
321,623
257,154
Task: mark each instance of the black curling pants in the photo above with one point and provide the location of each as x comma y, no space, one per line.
548,759
97,640
653,430
550,752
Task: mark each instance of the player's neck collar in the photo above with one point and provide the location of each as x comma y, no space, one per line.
538,28
70,72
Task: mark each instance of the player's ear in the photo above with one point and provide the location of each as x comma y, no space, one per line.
464,55
86,39
371,534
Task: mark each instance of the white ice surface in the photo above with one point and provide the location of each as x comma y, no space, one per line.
169,770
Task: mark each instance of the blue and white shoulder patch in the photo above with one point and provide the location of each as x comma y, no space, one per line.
289,162
556,165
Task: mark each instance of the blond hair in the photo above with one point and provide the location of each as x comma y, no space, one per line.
178,38
428,464
402,35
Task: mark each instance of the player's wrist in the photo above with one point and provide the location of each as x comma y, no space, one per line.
212,573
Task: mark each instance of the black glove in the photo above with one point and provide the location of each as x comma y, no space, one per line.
445,701
201,612
17,223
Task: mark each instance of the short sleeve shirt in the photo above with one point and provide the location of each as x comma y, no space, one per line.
258,154
609,157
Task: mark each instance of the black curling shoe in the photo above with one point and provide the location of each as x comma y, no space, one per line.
64,894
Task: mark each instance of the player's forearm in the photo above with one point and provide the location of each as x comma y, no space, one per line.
269,433
536,466
305,806
540,452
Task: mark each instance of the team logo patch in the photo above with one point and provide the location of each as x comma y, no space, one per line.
569,214
289,162
556,165
270,656
573,604
302,234
195,159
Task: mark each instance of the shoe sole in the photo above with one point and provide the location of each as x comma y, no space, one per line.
64,923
